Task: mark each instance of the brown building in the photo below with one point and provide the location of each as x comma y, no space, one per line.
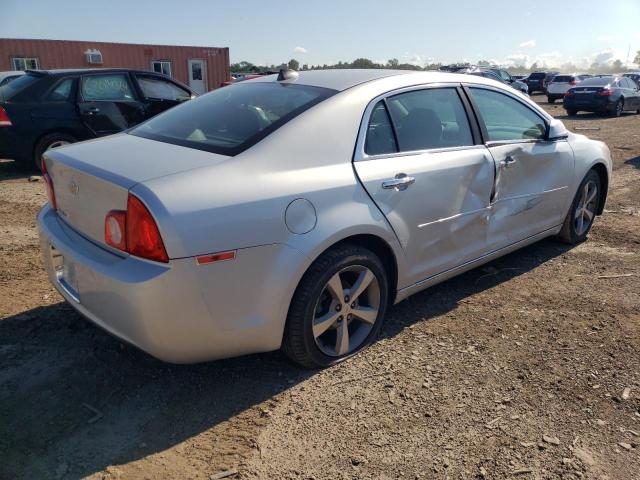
202,68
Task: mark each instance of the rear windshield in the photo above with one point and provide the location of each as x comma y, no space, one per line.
535,76
596,81
234,118
563,78
8,90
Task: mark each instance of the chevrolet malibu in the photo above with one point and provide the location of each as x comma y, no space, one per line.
291,210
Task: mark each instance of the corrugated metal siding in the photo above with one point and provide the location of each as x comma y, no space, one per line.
70,54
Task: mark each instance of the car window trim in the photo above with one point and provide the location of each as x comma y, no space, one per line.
93,74
360,154
483,128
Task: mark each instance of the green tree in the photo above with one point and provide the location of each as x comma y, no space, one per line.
637,59
617,66
393,63
293,64
484,63
363,63
305,67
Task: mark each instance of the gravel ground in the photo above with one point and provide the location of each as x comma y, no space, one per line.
525,368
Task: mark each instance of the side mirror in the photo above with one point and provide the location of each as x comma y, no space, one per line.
557,130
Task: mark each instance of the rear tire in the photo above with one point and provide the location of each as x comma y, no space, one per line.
572,113
313,342
51,140
582,212
618,108
551,99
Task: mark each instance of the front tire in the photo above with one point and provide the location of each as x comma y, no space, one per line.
338,308
52,140
582,213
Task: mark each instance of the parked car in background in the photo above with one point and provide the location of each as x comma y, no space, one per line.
47,108
635,76
538,81
561,83
6,77
603,94
495,75
223,228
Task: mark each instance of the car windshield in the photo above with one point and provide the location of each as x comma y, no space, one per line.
596,82
232,119
536,76
9,89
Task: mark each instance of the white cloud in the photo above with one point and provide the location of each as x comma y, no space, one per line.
299,50
606,38
528,44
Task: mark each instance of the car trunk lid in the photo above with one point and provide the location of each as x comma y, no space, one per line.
92,178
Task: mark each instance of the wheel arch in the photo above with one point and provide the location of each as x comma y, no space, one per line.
602,172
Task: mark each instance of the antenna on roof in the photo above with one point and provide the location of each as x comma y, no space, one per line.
286,74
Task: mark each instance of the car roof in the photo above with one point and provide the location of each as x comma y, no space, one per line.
67,71
343,79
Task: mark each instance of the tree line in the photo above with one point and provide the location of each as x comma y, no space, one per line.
394,63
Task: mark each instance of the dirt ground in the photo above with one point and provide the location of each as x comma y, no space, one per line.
526,368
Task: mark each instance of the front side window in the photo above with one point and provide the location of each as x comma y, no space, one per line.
112,87
62,91
507,119
161,66
25,63
157,88
229,120
430,118
380,137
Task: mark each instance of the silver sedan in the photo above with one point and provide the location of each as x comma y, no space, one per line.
290,211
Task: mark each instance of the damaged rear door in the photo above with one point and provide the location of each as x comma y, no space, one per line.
533,173
419,158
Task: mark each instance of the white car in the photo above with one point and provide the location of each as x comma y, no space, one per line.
563,82
290,211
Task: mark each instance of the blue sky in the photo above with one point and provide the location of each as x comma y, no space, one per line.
509,32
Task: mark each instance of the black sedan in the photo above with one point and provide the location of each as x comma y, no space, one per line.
45,109
607,94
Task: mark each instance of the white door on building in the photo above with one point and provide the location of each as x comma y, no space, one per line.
198,76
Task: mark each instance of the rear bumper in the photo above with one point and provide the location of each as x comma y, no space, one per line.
601,104
178,312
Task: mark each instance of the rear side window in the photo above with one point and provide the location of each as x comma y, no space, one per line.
430,118
231,119
113,87
380,137
157,88
507,119
62,91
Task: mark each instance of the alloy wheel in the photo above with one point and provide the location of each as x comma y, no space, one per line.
346,310
586,208
57,143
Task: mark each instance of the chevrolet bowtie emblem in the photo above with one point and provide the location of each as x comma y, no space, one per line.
73,188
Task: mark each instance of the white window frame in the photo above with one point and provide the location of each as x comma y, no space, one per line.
162,65
16,66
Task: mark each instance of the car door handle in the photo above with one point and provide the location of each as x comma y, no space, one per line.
92,110
508,161
400,182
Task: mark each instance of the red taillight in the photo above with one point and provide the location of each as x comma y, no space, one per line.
143,236
135,231
5,121
573,82
115,229
51,193
569,93
605,93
